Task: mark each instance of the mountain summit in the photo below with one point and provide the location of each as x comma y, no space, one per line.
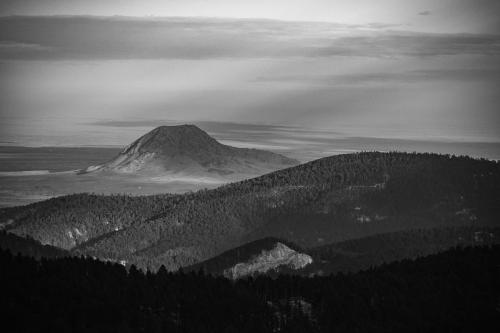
169,140
189,150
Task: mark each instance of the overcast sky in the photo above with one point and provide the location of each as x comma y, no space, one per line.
415,69
479,16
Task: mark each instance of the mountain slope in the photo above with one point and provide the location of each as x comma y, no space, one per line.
352,255
261,256
188,150
29,247
359,254
280,256
321,202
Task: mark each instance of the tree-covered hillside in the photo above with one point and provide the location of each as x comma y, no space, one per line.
29,247
358,254
243,253
456,291
328,200
70,220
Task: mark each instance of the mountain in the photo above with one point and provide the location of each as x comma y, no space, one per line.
29,247
264,256
280,256
329,200
347,256
187,150
360,254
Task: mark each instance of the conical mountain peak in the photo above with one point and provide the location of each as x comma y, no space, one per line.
189,150
173,139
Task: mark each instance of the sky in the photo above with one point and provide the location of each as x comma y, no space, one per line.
401,69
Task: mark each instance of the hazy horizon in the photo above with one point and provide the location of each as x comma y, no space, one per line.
398,70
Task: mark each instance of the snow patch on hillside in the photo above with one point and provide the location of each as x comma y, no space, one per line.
281,255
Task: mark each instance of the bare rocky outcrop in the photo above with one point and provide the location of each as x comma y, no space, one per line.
279,256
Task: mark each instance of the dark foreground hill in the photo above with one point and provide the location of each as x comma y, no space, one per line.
456,291
29,247
189,151
328,200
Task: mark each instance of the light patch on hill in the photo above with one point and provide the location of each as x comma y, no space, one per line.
185,178
280,256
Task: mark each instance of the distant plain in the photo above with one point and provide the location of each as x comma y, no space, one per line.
30,174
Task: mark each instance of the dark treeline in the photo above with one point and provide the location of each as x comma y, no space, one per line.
324,201
456,291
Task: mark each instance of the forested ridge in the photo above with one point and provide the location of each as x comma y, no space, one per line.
328,200
29,247
93,215
243,253
455,291
358,254
348,256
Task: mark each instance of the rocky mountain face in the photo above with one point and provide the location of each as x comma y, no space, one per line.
271,260
188,150
263,256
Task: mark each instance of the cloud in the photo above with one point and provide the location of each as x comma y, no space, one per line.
14,50
425,13
89,38
210,126
408,77
400,43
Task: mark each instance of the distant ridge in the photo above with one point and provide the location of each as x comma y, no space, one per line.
189,150
326,201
